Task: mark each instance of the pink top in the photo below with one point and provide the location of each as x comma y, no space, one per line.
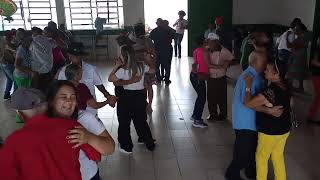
198,59
220,58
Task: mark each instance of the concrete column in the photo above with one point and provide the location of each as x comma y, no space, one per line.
61,16
133,12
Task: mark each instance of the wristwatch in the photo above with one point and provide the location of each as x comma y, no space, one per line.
248,89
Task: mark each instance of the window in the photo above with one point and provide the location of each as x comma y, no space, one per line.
81,14
32,13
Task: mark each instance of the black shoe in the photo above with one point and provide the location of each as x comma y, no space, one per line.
221,118
151,146
168,82
211,118
140,141
7,96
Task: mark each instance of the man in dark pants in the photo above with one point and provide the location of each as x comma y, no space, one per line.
244,119
162,37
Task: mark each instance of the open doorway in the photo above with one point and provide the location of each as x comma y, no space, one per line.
168,10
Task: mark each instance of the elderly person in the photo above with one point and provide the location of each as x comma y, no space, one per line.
244,119
218,59
90,75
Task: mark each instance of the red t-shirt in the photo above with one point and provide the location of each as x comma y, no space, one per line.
57,55
84,96
40,150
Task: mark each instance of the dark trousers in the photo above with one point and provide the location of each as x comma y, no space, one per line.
8,71
283,60
96,177
163,62
201,89
244,151
177,44
133,106
217,96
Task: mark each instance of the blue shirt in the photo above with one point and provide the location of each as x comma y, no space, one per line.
244,118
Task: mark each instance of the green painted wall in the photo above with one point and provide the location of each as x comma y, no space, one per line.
316,24
201,12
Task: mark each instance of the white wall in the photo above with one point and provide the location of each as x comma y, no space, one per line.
273,11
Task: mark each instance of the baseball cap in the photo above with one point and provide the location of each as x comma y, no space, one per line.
213,36
77,49
26,98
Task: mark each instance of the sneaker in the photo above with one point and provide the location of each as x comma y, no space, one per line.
125,151
199,124
140,141
151,146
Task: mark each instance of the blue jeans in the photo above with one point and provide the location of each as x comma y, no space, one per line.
8,71
201,89
177,44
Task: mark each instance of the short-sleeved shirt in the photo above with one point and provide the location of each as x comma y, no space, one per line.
124,75
219,58
90,77
283,40
181,26
40,150
89,168
25,55
244,118
162,38
269,124
84,96
199,59
41,53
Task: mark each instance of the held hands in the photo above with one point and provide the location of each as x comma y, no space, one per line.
248,79
78,136
112,100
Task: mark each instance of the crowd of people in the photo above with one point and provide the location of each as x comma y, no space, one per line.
54,96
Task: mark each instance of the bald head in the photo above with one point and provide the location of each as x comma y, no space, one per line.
258,60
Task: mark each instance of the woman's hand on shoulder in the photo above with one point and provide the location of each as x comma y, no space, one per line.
78,136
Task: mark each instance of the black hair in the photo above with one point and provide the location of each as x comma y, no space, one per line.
52,91
295,22
200,40
139,30
36,30
182,13
71,71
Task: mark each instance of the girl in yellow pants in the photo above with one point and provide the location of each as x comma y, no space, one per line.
271,145
273,129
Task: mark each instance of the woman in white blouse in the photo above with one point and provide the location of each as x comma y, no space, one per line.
134,99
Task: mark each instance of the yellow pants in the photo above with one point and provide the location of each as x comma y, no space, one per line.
271,145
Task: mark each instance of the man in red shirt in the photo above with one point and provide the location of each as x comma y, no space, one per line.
40,149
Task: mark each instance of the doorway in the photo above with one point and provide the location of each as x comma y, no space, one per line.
167,10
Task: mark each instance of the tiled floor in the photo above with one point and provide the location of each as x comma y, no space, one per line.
183,152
